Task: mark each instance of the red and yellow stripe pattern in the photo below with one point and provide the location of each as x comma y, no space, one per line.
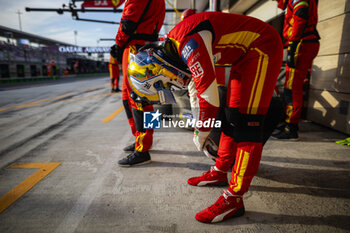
240,171
257,88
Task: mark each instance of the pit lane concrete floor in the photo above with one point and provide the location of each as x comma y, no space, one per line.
300,187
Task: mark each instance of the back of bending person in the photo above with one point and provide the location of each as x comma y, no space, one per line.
254,49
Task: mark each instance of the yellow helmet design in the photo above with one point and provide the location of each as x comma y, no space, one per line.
152,74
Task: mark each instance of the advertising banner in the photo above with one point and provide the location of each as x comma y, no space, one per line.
103,3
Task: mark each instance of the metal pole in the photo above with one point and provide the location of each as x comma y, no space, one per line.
75,36
214,5
61,10
19,19
193,4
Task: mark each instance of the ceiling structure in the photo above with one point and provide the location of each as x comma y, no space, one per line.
173,9
265,10
262,9
232,6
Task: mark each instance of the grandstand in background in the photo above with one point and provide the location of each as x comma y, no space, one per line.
26,56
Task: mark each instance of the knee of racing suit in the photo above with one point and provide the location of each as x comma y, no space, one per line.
288,96
127,109
138,118
244,127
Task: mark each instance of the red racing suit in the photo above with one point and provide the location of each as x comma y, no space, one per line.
114,73
300,31
254,50
141,22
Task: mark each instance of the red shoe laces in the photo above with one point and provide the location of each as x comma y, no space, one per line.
208,172
218,206
221,203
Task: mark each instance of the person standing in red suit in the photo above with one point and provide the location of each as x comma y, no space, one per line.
141,22
303,45
254,49
114,74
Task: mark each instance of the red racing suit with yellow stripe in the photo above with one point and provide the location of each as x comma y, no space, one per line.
303,39
254,50
141,22
113,73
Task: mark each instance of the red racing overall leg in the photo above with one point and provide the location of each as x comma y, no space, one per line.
293,86
127,101
143,137
250,89
293,89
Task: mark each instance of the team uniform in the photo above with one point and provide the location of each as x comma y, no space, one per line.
114,74
303,45
254,50
140,23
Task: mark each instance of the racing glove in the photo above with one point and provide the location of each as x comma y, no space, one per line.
292,47
199,138
117,53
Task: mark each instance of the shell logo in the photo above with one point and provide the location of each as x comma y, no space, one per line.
115,2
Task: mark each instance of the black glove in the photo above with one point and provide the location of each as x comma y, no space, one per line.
117,53
292,46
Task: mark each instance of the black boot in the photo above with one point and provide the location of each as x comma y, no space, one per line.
135,158
289,132
130,148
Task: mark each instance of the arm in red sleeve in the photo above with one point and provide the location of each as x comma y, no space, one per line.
132,12
300,18
197,54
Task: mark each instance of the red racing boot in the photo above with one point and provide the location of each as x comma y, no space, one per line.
210,178
227,206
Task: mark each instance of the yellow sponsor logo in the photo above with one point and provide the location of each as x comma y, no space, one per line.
115,2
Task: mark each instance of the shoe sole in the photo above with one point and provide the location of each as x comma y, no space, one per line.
286,139
221,183
136,164
129,150
240,212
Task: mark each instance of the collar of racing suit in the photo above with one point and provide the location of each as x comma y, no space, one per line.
282,4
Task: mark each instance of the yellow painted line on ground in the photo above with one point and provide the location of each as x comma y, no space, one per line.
38,103
13,195
83,98
34,103
96,88
110,117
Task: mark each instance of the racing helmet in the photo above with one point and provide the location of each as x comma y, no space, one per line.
154,71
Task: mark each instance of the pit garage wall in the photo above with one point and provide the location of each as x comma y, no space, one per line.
329,94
